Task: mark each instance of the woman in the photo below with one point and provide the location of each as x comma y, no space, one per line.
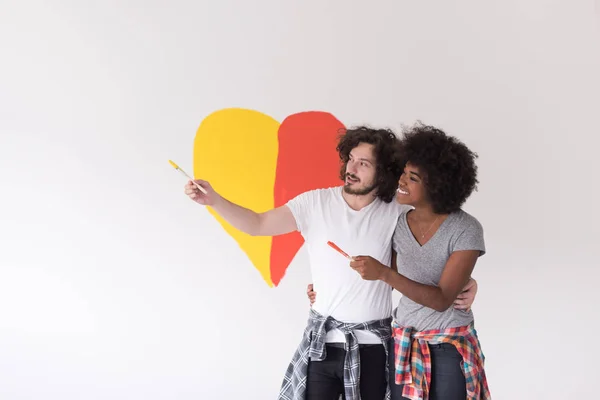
436,353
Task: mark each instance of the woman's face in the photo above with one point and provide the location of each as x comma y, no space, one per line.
411,189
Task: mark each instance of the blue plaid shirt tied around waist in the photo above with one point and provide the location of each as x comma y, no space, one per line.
312,348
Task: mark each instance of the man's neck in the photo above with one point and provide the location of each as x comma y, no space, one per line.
358,202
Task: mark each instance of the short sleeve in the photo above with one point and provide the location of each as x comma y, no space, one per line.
471,237
301,207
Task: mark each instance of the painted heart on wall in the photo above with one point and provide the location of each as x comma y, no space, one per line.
254,161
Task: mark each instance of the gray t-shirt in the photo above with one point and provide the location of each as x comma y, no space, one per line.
424,264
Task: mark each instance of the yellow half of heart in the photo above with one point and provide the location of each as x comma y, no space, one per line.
235,150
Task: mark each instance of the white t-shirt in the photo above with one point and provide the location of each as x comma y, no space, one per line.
323,215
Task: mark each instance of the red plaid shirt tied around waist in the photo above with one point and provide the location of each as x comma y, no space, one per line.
413,360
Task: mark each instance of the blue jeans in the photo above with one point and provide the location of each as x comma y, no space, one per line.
447,378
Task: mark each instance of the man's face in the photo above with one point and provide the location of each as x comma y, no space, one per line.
361,170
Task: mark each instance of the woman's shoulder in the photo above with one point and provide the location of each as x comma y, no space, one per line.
465,221
467,233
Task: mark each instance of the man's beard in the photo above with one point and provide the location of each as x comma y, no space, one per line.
361,191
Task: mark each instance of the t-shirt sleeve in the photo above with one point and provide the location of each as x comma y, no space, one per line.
301,207
471,237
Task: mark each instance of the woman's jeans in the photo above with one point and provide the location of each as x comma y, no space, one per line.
447,378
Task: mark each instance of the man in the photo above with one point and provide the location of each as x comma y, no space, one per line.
345,344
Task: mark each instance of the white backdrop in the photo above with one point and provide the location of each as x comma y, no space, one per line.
113,285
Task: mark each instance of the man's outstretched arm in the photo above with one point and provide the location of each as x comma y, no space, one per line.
274,222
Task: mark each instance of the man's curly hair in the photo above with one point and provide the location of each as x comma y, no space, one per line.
388,168
448,165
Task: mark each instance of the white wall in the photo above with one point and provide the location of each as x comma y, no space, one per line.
113,285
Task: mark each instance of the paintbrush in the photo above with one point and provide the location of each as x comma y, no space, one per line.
189,177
